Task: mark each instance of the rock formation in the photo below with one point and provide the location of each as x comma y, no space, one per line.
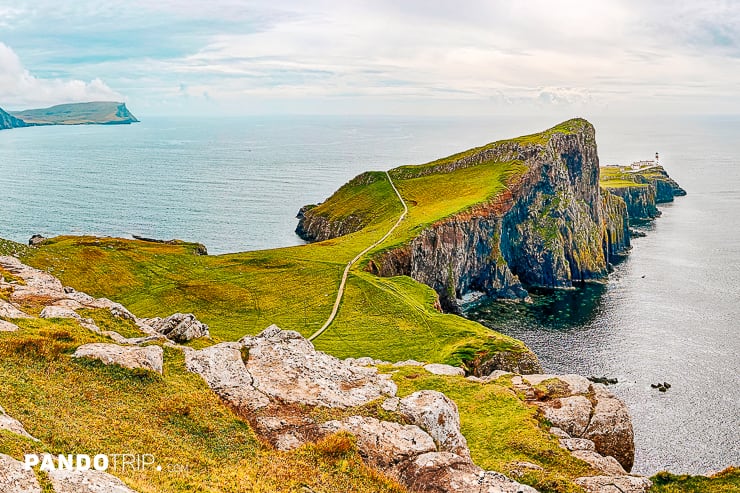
554,226
179,327
147,357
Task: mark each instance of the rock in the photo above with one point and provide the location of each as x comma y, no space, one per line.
436,414
90,481
391,404
573,444
439,369
8,310
13,425
223,369
384,444
53,311
558,432
604,380
15,478
179,327
576,383
148,357
36,283
607,465
444,472
495,375
7,326
286,367
572,414
612,484
611,428
36,240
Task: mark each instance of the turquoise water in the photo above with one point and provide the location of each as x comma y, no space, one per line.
670,311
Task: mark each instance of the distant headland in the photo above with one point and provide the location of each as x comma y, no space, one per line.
93,113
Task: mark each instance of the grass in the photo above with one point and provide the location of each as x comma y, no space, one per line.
619,177
501,429
727,481
82,406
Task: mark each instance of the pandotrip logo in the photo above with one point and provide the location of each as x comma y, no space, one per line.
84,462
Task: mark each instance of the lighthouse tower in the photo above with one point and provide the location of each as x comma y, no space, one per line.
657,159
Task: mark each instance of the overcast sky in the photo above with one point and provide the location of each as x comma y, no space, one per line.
375,56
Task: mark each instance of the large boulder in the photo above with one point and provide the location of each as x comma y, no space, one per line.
435,413
447,370
148,357
36,283
585,410
8,310
15,478
614,484
286,367
382,443
445,472
89,481
223,369
180,327
7,326
13,425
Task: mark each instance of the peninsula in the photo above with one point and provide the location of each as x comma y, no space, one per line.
93,113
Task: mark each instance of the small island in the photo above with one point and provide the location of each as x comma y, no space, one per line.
93,113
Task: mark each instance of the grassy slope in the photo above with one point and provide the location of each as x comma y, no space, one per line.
727,481
82,406
295,287
618,177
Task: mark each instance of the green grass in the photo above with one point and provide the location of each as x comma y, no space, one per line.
85,407
501,429
619,177
727,481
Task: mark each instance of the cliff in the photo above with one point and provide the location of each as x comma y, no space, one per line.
94,113
543,219
9,121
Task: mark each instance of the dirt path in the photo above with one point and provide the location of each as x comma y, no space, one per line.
342,284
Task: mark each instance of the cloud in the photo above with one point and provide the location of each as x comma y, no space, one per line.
19,89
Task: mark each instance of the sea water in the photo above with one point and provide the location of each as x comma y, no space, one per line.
668,313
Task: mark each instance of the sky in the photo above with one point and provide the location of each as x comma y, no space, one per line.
413,57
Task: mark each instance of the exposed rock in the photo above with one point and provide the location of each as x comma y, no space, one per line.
53,311
179,327
558,432
444,472
436,414
440,369
8,310
7,326
13,425
89,481
223,369
37,283
148,357
408,362
588,410
391,404
607,465
286,367
523,362
384,444
612,484
573,444
15,478
36,240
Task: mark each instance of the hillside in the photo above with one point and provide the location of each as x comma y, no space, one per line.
98,113
9,121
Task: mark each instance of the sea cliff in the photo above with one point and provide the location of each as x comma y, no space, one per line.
552,225
93,113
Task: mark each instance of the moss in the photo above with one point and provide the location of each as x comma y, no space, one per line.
726,481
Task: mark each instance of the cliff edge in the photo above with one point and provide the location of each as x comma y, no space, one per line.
497,219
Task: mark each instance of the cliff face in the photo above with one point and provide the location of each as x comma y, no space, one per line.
552,226
9,121
548,230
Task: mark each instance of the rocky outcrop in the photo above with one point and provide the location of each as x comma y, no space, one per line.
147,357
639,199
275,378
617,232
179,327
614,484
9,121
15,478
584,410
12,425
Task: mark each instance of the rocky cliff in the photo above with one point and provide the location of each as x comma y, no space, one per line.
642,189
9,121
551,226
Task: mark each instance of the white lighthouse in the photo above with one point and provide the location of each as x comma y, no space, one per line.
657,159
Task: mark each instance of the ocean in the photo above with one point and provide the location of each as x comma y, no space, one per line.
669,312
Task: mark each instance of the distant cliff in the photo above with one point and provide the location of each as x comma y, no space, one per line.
549,225
9,121
95,113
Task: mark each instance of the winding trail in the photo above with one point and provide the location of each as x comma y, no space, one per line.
342,284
